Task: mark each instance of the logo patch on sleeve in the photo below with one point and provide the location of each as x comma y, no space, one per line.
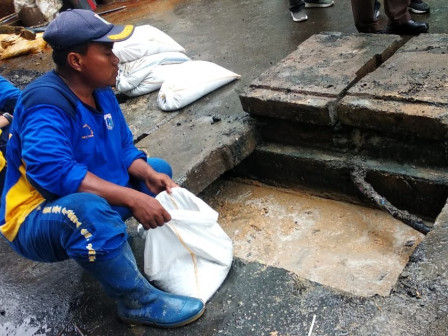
109,122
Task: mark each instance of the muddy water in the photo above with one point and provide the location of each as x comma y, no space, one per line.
345,246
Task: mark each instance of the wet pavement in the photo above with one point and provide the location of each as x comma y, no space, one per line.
246,37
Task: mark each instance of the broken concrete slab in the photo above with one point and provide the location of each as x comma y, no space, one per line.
415,73
361,142
316,75
202,146
407,94
418,189
288,105
429,121
143,115
371,121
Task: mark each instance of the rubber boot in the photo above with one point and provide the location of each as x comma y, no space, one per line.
138,301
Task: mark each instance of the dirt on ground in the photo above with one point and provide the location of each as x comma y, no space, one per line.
345,246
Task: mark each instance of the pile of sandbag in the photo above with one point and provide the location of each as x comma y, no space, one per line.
151,60
12,45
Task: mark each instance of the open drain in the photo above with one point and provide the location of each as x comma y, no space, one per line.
349,247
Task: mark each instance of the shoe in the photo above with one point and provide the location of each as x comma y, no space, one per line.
299,16
318,3
419,7
138,302
376,9
409,28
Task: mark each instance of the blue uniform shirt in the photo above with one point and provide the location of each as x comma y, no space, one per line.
8,95
55,140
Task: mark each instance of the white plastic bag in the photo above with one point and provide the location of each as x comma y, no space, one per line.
49,8
145,41
18,4
147,74
190,255
194,80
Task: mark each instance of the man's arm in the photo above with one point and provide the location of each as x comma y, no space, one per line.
5,119
8,95
146,209
156,182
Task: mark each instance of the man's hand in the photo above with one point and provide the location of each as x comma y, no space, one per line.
146,209
154,181
149,212
158,182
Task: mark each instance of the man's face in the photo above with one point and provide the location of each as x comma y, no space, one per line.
99,66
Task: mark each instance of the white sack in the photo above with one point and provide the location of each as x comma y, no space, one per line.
190,255
49,8
18,4
147,74
145,41
194,80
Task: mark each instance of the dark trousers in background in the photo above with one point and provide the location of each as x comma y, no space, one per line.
363,13
296,5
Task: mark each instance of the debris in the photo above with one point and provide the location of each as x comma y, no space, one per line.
31,16
17,30
111,10
14,45
8,18
49,8
312,325
358,178
83,4
78,330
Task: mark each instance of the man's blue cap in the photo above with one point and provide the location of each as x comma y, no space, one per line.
77,26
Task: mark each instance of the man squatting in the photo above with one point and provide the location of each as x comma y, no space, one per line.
74,175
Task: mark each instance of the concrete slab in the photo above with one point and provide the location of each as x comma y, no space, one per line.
365,143
316,75
415,73
202,144
408,93
420,190
424,120
352,248
143,115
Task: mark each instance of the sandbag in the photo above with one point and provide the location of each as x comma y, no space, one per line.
49,8
19,4
147,74
145,41
191,254
194,80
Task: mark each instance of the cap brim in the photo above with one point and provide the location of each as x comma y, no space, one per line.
116,34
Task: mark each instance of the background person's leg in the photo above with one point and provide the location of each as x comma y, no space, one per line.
364,16
296,5
400,21
397,11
